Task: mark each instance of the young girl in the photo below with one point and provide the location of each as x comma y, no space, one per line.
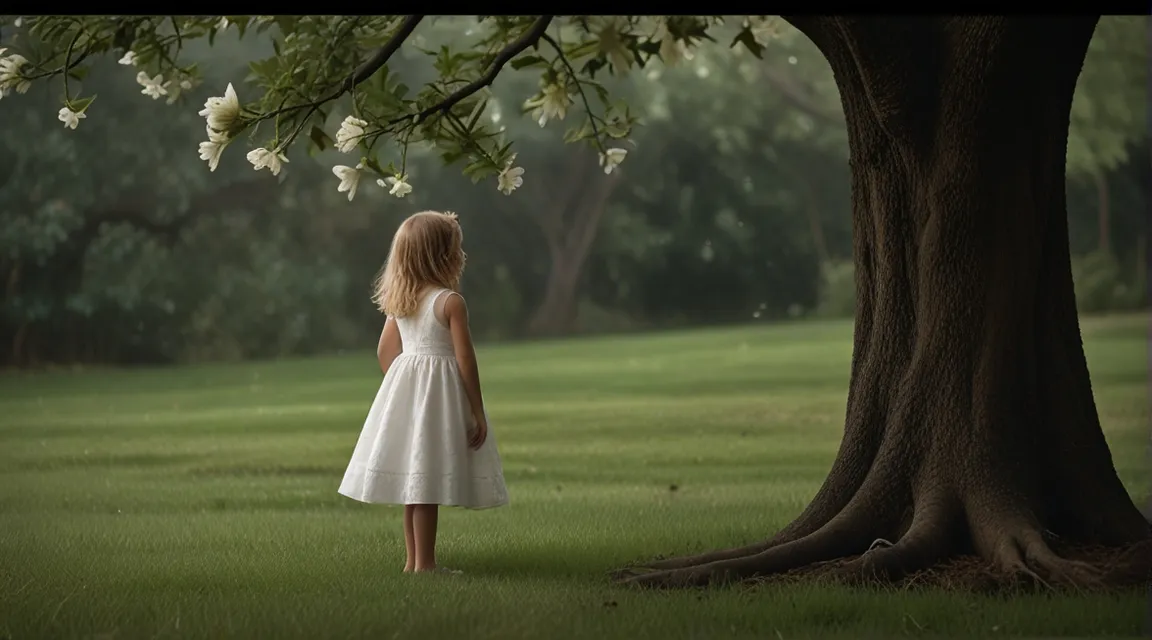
426,441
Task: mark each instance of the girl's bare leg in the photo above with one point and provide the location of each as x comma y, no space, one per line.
409,540
424,518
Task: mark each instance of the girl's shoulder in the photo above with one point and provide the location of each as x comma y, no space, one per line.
448,303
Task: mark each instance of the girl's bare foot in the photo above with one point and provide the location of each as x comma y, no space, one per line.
445,570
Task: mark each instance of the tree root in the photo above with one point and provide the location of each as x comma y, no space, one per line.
1026,555
684,562
925,556
844,535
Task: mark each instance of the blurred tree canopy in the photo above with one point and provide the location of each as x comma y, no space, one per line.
726,199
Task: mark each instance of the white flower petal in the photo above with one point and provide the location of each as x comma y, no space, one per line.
349,179
70,118
510,179
611,158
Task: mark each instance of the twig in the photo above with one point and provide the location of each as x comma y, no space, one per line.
579,87
362,73
527,39
67,59
373,64
68,65
179,37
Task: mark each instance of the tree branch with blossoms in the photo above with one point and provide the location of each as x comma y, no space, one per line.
326,64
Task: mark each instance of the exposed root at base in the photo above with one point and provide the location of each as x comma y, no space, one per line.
1025,563
1110,569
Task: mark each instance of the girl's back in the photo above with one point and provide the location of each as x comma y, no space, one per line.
425,332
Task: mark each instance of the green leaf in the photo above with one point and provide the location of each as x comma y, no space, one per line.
379,80
479,169
582,50
287,24
601,92
452,157
319,138
79,73
746,38
80,104
592,66
477,111
575,134
527,61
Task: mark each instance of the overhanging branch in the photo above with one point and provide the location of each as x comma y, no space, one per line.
380,58
362,72
527,39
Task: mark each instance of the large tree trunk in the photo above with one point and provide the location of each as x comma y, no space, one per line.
970,425
556,313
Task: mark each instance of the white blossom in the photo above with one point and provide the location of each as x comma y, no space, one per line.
552,103
397,185
223,112
673,51
510,179
19,22
213,148
153,87
611,158
349,179
652,25
10,76
222,23
613,46
174,89
262,158
70,118
351,130
129,59
764,29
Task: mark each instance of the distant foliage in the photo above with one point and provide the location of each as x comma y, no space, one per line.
837,290
1104,284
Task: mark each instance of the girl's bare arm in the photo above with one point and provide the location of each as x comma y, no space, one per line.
456,312
390,345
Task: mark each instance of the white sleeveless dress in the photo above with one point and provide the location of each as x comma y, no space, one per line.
414,445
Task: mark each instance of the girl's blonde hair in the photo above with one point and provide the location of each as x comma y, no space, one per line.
427,251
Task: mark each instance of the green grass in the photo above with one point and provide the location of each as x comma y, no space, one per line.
201,501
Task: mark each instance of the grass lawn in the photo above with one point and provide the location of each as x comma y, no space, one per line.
201,501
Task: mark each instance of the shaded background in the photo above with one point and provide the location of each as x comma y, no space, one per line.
118,246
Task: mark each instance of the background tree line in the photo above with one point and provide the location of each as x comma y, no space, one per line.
116,246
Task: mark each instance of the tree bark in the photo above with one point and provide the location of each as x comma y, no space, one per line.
970,423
